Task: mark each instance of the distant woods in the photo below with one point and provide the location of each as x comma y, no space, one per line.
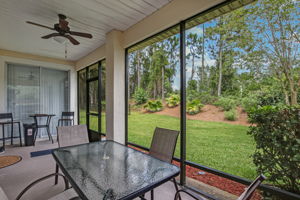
250,51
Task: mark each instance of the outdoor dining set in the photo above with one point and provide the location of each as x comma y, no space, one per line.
107,169
41,121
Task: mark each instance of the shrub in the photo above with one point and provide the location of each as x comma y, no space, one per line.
230,115
140,96
173,100
194,107
225,103
153,106
207,98
248,103
192,95
277,136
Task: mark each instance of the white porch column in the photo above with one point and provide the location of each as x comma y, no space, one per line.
115,87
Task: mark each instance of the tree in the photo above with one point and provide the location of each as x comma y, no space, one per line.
195,50
274,24
228,37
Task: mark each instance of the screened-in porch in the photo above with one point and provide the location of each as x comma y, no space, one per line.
149,99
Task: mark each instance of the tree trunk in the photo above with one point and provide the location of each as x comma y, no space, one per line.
162,83
203,67
220,67
193,67
138,70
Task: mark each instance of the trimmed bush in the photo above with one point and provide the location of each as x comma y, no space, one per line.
173,100
230,115
140,96
194,107
225,103
277,136
153,106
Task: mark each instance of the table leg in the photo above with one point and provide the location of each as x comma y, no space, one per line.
12,133
49,134
56,177
20,135
35,134
3,137
152,194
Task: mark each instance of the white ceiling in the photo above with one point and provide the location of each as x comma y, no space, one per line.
93,16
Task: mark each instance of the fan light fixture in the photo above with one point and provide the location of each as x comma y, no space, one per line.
63,41
59,39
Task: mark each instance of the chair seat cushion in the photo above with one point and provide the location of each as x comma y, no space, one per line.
66,195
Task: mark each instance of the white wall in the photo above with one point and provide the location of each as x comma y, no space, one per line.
3,79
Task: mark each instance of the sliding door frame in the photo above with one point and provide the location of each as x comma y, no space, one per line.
88,114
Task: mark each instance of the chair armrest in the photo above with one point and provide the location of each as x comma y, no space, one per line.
188,192
40,180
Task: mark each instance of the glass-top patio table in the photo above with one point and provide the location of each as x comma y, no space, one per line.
109,170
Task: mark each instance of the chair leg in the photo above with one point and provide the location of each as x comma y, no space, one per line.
12,134
176,187
56,177
152,194
20,134
49,134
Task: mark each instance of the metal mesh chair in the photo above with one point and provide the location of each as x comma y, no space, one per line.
70,136
66,117
67,194
163,146
246,195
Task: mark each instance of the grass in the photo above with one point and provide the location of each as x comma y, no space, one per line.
218,145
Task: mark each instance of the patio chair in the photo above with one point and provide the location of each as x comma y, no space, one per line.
7,119
162,147
246,195
70,136
67,194
66,117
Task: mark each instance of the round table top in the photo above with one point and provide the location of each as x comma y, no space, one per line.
42,115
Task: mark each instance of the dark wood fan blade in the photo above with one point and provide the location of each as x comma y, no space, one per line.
72,40
51,35
33,23
86,35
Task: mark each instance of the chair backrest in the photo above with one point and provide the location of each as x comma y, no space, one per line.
163,144
6,116
249,191
72,135
3,195
67,115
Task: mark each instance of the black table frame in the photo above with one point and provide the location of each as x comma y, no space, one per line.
46,126
133,195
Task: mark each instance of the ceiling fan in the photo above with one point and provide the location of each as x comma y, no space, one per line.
63,30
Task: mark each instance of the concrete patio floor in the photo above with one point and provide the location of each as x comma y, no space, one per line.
13,179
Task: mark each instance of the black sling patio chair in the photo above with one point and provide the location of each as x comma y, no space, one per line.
162,147
246,195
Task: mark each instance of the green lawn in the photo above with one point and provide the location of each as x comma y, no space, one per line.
218,145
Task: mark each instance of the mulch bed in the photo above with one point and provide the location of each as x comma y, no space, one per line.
217,181
214,180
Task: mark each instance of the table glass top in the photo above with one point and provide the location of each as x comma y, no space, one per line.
109,170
